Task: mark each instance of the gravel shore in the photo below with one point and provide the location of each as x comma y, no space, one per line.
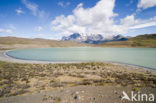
79,94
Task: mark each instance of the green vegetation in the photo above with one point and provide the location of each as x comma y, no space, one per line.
138,41
17,79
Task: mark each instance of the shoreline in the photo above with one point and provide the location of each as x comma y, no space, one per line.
5,57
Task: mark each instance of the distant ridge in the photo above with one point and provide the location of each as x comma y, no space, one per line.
93,39
147,40
18,43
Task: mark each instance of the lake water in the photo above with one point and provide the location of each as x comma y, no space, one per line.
136,56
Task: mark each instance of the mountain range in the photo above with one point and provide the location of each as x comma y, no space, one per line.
93,38
146,40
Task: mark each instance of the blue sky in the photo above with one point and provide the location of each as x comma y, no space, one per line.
53,19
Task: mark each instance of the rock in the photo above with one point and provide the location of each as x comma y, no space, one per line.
77,97
115,92
124,83
76,92
82,91
108,81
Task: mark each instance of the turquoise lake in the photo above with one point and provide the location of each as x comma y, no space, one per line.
136,56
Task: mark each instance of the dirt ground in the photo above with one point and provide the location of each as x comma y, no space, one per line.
80,94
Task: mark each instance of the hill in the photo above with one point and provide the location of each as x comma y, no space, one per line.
15,43
6,43
147,40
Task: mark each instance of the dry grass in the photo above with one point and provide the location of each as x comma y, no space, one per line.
16,79
139,41
16,43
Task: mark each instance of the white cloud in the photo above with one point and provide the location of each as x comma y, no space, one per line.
31,6
130,2
43,15
38,28
11,26
129,20
144,4
63,4
98,19
60,4
154,18
9,31
19,11
34,8
143,25
1,30
131,23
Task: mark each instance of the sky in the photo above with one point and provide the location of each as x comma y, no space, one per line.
52,19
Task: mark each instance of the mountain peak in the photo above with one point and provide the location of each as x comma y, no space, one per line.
93,38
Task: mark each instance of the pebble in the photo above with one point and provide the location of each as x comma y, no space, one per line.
115,92
77,97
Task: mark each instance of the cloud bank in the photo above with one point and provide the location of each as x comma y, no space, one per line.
98,19
144,4
8,31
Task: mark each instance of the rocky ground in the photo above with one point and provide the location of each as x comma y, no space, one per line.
80,94
72,83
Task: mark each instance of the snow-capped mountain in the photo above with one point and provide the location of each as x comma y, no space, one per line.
93,38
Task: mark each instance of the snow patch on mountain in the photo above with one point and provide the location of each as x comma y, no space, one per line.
93,38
